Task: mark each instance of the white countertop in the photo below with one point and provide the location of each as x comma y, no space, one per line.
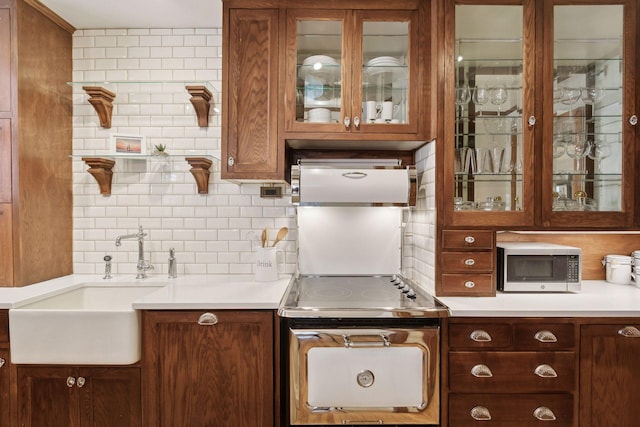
597,299
189,292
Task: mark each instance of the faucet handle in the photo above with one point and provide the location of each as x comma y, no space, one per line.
107,267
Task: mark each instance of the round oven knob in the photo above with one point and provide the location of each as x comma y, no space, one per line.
405,289
395,280
411,294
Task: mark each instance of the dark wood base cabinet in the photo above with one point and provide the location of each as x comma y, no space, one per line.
609,375
4,388
74,397
204,369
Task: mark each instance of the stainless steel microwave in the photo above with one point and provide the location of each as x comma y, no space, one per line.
538,267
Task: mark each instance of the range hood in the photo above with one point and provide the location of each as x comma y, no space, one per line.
353,182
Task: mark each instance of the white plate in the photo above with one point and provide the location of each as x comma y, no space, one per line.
323,59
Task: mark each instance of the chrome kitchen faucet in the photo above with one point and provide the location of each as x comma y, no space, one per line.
142,266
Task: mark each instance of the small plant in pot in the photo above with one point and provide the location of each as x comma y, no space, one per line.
160,150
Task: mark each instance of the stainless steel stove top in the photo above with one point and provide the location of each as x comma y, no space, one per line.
358,297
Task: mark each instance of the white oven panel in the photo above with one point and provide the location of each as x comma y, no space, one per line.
349,240
365,377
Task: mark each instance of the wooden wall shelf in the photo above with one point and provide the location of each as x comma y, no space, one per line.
101,169
102,101
101,98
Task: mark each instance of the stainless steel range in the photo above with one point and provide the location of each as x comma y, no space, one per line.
362,342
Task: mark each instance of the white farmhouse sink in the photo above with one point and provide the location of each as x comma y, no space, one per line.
90,324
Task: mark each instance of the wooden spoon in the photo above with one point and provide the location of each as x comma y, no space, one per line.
282,233
264,238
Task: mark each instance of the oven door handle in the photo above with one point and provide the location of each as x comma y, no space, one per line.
377,340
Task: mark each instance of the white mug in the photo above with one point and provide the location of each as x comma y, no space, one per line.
370,111
266,267
389,111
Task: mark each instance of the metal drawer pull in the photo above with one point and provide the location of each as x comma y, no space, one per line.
81,381
469,261
480,413
543,413
469,239
371,341
545,371
480,336
470,284
545,336
71,382
2,362
207,319
629,332
362,422
481,371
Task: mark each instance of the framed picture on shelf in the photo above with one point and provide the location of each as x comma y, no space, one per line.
134,145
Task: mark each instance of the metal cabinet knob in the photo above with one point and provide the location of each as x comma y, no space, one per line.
71,381
545,371
480,336
629,332
480,413
545,336
532,120
633,120
543,413
470,284
469,261
356,122
2,362
81,381
347,122
207,319
231,161
469,239
481,371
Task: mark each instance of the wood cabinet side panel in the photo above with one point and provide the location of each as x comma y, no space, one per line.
5,59
5,158
6,244
5,384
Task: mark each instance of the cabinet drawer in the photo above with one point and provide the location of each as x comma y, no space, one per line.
480,335
460,262
508,372
468,285
514,410
4,326
468,239
539,336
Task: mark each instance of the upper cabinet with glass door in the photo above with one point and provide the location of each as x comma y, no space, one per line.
357,72
489,109
589,112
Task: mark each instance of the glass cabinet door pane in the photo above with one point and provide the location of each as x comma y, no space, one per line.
587,108
319,53
488,98
385,52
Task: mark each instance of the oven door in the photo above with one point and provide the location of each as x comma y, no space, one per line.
357,376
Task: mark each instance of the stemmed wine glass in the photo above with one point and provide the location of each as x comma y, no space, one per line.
480,97
578,149
462,97
499,96
591,95
600,150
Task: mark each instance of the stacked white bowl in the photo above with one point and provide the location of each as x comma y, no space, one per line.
635,267
319,115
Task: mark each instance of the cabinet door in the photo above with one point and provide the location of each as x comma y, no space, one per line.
47,397
205,369
6,245
609,375
250,145
110,397
5,159
4,387
488,150
356,72
588,93
5,59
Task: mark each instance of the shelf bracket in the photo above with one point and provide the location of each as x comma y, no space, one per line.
101,170
200,97
200,171
102,101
